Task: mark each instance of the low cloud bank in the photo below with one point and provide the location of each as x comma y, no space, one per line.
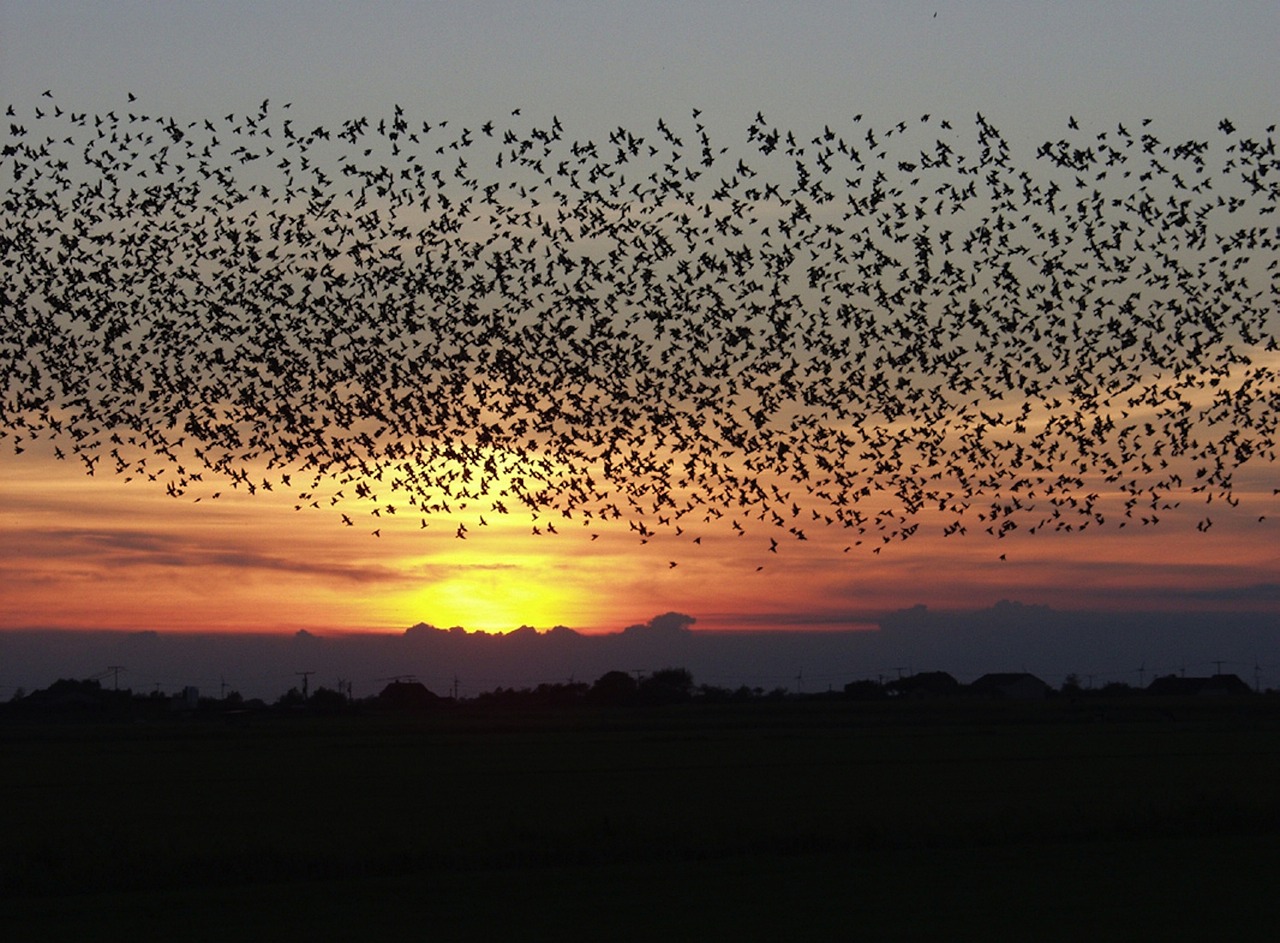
1006,637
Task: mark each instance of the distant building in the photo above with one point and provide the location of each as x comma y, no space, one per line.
925,684
1016,686
1215,686
408,695
188,700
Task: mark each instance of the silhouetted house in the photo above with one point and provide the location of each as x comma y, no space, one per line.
1226,684
925,684
1014,686
1174,686
1217,685
408,695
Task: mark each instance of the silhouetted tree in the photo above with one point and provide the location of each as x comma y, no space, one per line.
865,690
72,696
713,694
291,698
1118,688
667,686
560,695
328,701
613,688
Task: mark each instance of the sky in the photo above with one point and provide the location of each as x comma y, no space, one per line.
84,552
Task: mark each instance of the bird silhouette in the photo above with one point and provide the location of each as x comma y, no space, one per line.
865,330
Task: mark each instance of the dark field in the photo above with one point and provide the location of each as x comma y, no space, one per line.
789,819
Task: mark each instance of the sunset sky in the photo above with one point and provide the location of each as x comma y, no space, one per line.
103,552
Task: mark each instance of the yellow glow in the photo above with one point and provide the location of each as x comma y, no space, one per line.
492,599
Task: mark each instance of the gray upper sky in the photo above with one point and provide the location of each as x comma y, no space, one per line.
1025,64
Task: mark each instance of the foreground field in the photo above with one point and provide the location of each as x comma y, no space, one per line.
883,821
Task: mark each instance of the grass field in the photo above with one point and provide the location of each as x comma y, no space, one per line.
762,820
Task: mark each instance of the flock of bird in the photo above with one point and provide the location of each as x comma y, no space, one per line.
871,329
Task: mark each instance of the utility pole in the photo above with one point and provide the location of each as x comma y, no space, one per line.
1218,665
305,675
115,672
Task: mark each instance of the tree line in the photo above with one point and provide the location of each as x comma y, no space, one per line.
667,686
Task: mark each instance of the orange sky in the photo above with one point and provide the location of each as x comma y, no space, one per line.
107,552
102,553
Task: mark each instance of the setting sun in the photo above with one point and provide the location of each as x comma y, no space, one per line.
491,597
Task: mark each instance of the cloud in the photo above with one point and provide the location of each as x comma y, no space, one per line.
123,540
425,632
444,571
818,620
1004,615
668,624
421,630
1157,574
1009,636
1257,592
122,549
